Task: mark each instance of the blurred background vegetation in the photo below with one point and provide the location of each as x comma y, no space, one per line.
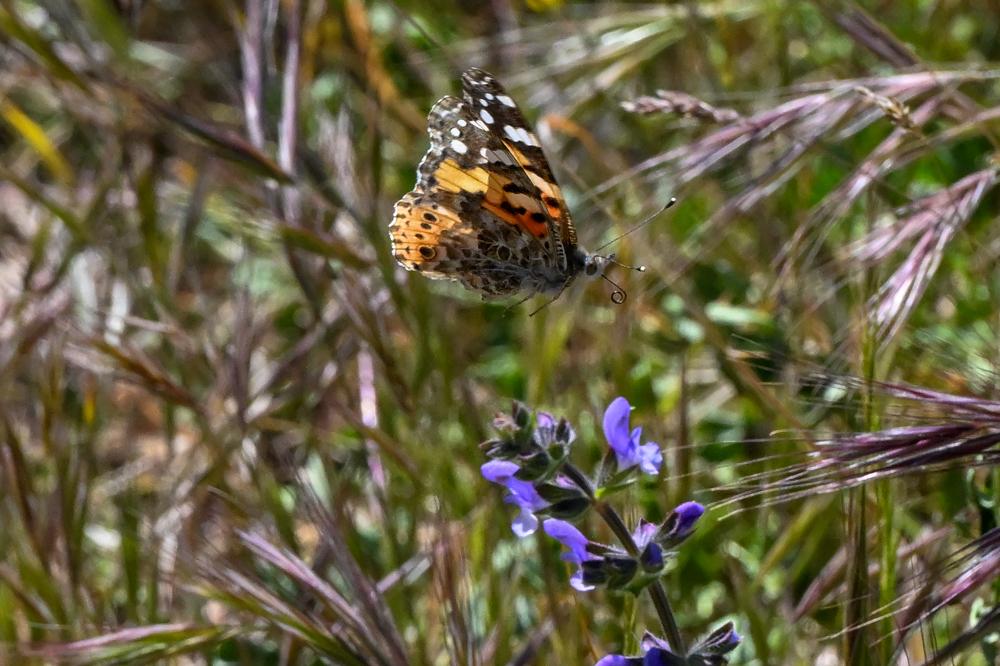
233,430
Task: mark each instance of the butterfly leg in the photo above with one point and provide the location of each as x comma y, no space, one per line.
511,307
550,302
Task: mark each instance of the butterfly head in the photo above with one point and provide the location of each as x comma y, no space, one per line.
594,264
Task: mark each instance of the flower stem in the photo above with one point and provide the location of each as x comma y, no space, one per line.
666,613
617,525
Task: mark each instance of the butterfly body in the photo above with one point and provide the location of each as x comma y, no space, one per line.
486,210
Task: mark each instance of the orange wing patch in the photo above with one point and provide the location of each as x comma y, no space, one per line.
533,222
501,198
552,195
453,178
416,232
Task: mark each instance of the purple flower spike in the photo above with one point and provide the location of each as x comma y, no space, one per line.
625,444
519,492
566,534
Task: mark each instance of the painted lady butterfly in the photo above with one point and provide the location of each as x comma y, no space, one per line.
486,210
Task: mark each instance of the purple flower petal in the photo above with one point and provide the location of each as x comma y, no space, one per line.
525,524
651,558
576,582
644,532
653,642
679,524
650,458
688,515
498,470
519,492
525,495
658,657
721,641
628,451
656,652
619,660
545,429
616,427
566,534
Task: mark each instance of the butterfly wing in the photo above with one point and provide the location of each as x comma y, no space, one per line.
475,215
487,98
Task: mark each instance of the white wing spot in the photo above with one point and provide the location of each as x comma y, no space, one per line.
484,102
462,122
487,118
520,135
506,101
480,125
458,146
495,156
488,96
456,132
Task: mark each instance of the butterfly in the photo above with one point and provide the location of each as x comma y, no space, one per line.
486,210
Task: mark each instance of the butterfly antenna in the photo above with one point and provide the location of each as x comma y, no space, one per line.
611,260
649,219
618,295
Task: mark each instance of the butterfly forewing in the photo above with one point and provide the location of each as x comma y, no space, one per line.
487,98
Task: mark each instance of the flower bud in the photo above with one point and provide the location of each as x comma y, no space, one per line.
570,508
520,414
564,432
620,571
651,558
721,641
534,466
679,525
594,572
